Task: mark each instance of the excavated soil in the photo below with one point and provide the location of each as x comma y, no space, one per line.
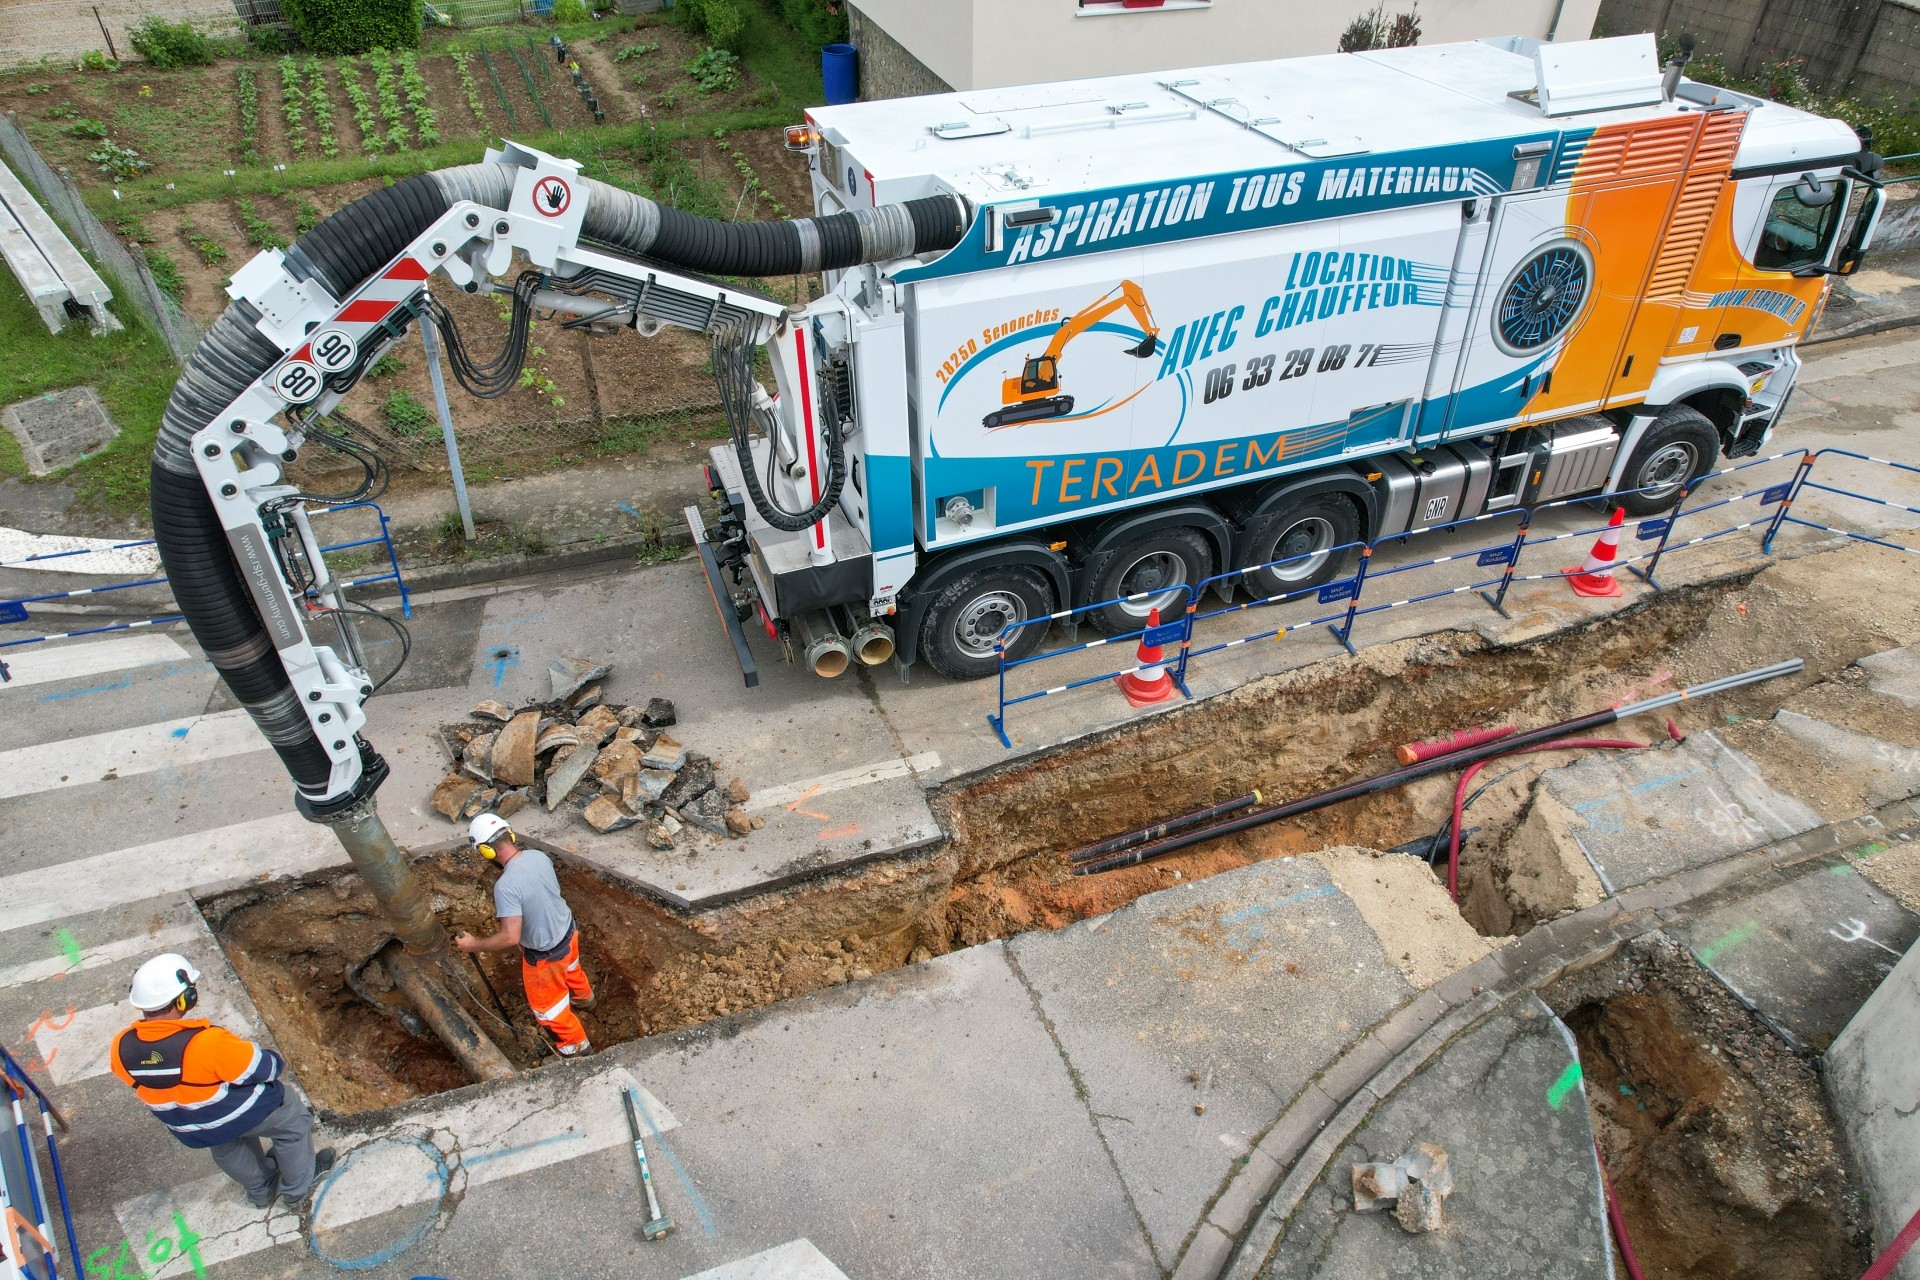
1723,1157
1004,871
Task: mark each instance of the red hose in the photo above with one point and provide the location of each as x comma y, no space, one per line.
1883,1265
1618,1219
1460,793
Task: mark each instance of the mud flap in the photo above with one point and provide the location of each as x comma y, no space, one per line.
722,599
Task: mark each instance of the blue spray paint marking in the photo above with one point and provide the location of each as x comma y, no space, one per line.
414,1235
181,732
686,1183
621,506
469,1162
502,658
1261,908
1640,788
177,669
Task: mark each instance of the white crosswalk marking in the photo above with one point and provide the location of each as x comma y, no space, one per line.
512,1131
283,845
45,664
106,953
78,1047
795,1260
169,744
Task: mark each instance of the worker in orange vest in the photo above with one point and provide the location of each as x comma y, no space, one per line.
215,1091
535,918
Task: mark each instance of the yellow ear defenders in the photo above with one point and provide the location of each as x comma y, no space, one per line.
189,995
488,852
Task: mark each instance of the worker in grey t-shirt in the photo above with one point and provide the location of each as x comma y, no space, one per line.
535,918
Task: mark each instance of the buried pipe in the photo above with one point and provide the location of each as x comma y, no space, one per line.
1144,835
1473,771
419,966
1438,764
1618,1220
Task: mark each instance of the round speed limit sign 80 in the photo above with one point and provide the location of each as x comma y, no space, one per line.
297,382
333,349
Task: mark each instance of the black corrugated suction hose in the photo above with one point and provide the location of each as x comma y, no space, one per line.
341,253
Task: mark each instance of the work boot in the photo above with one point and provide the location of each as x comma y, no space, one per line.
582,1050
586,1006
322,1165
273,1180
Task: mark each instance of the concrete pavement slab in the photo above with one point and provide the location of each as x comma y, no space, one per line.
1642,815
1808,953
1506,1104
1886,770
1252,980
1895,674
1872,1078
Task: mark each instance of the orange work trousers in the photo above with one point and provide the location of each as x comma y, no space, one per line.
552,987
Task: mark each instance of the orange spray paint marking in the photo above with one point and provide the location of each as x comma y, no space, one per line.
793,806
835,833
48,1022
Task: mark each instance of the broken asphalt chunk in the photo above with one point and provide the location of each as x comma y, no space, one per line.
570,675
559,735
451,796
658,713
603,814
695,780
513,801
513,750
492,709
665,753
566,773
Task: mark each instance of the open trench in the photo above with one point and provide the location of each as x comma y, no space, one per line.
1002,870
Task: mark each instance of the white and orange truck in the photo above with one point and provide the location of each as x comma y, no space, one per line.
1216,318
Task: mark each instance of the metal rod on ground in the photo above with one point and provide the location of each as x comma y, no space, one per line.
422,968
1128,840
1438,764
446,424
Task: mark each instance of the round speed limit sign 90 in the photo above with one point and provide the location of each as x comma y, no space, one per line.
297,382
333,349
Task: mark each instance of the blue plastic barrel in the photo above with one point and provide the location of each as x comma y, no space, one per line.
837,71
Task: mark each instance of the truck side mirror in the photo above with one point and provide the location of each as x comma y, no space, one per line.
1860,238
1812,192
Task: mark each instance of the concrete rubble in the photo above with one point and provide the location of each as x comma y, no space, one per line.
1413,1186
615,765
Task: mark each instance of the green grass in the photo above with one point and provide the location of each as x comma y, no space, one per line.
133,371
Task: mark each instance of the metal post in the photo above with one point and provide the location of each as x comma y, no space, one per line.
1780,516
1660,548
1499,599
446,424
1344,631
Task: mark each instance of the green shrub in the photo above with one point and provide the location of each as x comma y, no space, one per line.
713,70
570,13
720,21
94,60
407,416
272,41
170,44
354,26
166,274
816,24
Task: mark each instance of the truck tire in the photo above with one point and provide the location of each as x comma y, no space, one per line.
1164,561
957,635
1677,450
1312,527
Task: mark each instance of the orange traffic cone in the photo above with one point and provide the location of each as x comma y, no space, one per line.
1151,683
1595,577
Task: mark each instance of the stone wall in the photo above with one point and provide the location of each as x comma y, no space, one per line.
887,70
1858,46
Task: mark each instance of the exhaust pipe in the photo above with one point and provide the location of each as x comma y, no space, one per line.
826,649
873,643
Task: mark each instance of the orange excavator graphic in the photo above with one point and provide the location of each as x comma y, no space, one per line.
1033,395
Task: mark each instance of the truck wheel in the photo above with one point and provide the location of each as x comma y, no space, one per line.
1312,527
1158,567
1678,449
957,635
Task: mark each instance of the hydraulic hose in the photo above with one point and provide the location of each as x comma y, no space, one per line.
341,253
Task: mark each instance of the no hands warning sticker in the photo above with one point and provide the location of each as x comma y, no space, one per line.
551,196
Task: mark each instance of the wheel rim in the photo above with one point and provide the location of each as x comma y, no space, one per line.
1311,537
983,619
1161,573
1670,467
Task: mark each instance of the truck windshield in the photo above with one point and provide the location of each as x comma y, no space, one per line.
1796,236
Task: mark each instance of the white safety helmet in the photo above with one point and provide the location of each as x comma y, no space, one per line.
484,830
161,981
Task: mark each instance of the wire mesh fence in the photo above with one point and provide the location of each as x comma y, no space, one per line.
50,31
125,269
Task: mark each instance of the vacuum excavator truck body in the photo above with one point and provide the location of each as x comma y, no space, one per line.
1221,317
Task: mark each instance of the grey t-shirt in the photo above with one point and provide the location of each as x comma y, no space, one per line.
527,888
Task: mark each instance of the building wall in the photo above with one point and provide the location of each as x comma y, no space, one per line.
887,69
976,44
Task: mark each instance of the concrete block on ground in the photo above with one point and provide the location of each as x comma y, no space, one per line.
1807,954
1895,674
1885,771
1872,1077
1642,815
1504,1102
59,428
1253,980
